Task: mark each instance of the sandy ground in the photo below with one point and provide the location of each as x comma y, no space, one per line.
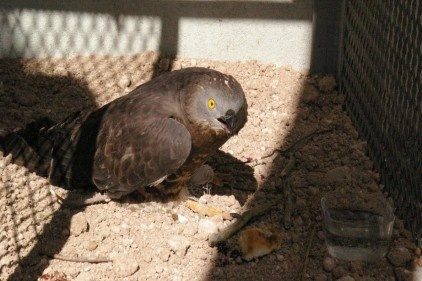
289,111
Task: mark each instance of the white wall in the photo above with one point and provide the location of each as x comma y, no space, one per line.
278,32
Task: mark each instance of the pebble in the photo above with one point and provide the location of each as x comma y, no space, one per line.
179,245
321,277
73,271
327,84
339,271
163,254
206,227
406,275
298,221
126,266
190,230
280,257
399,256
310,93
341,174
91,245
78,224
124,82
328,264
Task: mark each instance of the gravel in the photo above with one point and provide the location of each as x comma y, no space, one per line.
157,241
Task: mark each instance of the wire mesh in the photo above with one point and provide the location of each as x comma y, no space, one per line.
381,75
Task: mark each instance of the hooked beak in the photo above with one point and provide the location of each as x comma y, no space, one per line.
228,121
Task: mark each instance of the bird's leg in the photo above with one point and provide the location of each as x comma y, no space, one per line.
78,201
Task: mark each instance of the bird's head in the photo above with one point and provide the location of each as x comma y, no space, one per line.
218,102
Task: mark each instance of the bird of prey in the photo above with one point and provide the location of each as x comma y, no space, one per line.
151,140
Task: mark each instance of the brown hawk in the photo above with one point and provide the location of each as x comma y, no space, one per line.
151,140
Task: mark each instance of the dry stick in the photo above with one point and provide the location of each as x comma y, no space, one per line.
78,259
287,215
300,141
252,213
305,264
242,220
287,191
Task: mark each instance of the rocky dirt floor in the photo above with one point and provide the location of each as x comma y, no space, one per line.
289,112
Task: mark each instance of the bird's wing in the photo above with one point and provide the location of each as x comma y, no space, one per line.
131,155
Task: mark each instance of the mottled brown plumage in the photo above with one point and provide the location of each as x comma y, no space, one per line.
151,140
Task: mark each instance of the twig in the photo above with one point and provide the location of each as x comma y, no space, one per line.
287,194
305,264
300,142
78,259
289,167
287,191
242,220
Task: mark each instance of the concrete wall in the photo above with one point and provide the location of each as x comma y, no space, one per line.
278,32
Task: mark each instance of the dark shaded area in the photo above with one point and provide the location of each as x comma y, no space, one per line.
21,91
326,35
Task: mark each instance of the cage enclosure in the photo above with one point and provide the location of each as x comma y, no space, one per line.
334,106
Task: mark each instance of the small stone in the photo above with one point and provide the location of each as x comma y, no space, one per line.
179,245
124,82
310,93
206,227
86,268
339,271
78,224
327,84
399,256
321,277
403,274
126,266
91,245
163,254
190,230
346,278
321,235
159,268
73,271
181,218
341,174
280,257
328,264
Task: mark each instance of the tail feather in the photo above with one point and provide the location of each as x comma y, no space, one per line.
61,151
45,147
30,147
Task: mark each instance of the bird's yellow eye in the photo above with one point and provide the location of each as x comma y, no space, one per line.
211,103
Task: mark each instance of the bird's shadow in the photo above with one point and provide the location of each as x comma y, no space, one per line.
231,177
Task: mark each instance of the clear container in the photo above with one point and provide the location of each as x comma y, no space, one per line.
357,226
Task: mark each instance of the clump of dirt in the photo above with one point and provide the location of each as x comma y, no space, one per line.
290,113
